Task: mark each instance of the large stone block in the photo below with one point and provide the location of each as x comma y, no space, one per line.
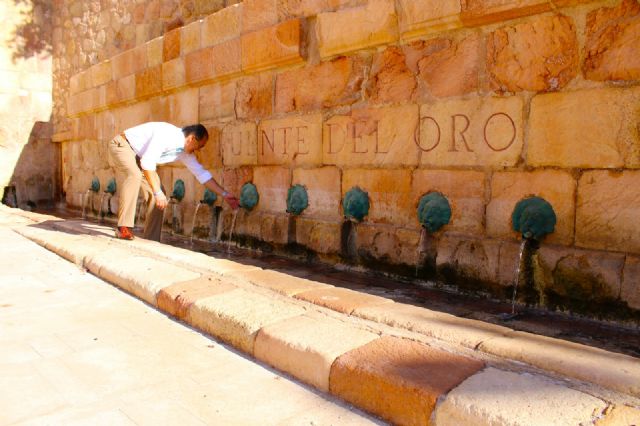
323,189
233,179
389,194
183,107
223,25
272,47
296,8
240,144
213,63
337,34
390,79
171,44
177,298
217,101
384,137
258,14
608,211
319,236
448,67
473,132
129,62
470,260
132,115
306,347
423,18
254,96
272,184
280,282
78,82
210,156
482,12
631,282
387,244
293,140
555,186
190,37
611,48
274,228
399,380
463,189
173,74
149,82
540,55
329,84
154,51
124,89
603,135
341,299
101,73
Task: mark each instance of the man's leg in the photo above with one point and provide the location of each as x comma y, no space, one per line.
124,159
155,216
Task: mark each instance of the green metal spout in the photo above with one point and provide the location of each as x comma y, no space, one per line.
95,185
249,196
534,218
209,197
356,204
434,211
178,190
111,186
297,200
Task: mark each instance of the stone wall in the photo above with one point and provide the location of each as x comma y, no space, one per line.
487,102
28,159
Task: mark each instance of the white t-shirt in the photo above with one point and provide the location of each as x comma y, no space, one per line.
161,143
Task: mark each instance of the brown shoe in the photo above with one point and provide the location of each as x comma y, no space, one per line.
124,233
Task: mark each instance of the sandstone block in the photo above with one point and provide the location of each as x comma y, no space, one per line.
507,188
468,258
631,282
384,137
214,63
239,144
336,33
390,79
101,73
129,62
236,316
471,132
173,74
280,282
541,55
125,89
293,141
321,237
132,115
217,101
620,415
171,44
375,244
233,179
494,396
177,298
258,14
328,84
272,47
482,12
306,347
149,82
272,184
397,379
417,19
611,48
190,37
274,228
389,194
183,107
79,82
341,299
297,8
323,189
603,135
209,156
608,210
254,96
223,25
463,189
154,51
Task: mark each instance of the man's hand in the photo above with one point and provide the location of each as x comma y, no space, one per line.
231,200
161,201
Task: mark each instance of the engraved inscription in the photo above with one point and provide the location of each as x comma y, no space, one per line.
291,140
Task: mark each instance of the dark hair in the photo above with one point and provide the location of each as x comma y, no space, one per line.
197,130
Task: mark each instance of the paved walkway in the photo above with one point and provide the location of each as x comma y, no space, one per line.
77,350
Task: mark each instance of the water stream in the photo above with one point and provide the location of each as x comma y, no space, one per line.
193,223
85,199
423,234
233,225
516,281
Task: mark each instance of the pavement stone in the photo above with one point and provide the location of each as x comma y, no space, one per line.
177,298
340,299
495,397
280,282
621,415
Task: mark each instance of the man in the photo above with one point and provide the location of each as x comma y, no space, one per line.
137,151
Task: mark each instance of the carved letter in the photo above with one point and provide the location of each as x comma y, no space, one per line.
355,136
331,135
284,136
513,135
418,140
235,139
453,133
269,142
301,130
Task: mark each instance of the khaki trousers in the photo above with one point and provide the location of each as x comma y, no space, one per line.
123,158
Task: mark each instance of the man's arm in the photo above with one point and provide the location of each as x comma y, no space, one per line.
154,181
212,185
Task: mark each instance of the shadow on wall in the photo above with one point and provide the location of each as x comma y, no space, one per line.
33,37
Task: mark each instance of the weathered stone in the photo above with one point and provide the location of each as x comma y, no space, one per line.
463,189
319,236
375,244
239,144
190,37
470,260
323,189
183,107
399,380
389,194
294,141
278,281
326,85
341,299
100,73
154,51
336,33
222,26
272,47
611,48
372,137
149,82
177,298
602,135
630,293
482,12
306,347
494,396
390,79
209,156
418,19
171,46
472,132
129,62
451,70
216,62
258,14
173,74
620,415
274,228
217,101
296,8
555,186
541,55
254,96
206,7
607,211
272,184
233,179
